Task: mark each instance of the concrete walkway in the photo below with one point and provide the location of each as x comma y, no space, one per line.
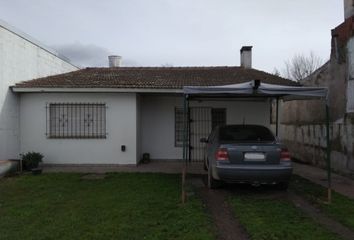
340,184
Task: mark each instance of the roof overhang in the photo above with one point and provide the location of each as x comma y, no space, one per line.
93,90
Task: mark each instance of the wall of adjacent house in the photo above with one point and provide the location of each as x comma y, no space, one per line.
20,59
121,127
303,126
158,121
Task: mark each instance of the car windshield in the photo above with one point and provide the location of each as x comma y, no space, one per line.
245,133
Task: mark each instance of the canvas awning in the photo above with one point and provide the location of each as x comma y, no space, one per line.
256,88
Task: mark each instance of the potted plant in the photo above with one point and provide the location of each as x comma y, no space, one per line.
31,160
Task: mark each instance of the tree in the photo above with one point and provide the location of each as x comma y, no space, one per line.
302,66
276,72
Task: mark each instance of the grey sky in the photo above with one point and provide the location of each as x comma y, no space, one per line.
178,32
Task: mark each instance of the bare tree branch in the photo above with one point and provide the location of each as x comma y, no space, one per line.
302,66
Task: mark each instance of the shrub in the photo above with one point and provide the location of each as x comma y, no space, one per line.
31,160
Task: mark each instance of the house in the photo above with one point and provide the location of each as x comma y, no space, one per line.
303,123
21,58
114,115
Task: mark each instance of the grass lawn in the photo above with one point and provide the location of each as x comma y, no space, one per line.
121,206
341,208
275,219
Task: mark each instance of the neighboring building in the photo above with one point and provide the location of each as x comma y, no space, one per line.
21,58
114,115
303,123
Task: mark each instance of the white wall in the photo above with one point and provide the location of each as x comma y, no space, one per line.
121,126
158,123
20,60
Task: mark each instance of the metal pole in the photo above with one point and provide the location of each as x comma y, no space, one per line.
277,118
184,128
328,158
188,132
184,169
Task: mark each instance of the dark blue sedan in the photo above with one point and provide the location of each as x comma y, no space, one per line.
246,154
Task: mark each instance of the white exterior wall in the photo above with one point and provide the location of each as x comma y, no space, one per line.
158,121
20,60
121,126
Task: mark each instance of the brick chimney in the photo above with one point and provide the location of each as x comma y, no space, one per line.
246,56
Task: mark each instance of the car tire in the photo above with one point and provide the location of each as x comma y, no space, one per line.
212,182
283,186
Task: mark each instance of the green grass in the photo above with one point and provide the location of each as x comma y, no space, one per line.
121,206
275,219
341,208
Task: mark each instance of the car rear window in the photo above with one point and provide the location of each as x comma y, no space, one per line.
246,133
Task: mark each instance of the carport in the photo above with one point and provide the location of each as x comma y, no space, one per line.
255,89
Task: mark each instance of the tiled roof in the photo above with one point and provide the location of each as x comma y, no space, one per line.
153,77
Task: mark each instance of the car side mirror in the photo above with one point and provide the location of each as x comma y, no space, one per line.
204,140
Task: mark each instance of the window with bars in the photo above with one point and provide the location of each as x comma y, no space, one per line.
179,127
76,120
218,117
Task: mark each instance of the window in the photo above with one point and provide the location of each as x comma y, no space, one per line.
76,120
179,127
218,117
245,133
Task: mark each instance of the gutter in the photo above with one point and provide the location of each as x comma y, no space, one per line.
93,90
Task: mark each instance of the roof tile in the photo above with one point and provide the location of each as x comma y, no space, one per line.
153,77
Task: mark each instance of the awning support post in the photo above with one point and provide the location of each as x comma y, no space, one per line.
183,192
277,118
328,156
185,152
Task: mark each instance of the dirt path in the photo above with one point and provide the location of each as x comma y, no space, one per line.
227,226
320,218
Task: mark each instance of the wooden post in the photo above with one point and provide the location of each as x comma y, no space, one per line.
183,196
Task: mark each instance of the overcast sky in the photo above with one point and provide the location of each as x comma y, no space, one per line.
178,32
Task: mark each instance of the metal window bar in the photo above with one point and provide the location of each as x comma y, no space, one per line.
179,127
76,120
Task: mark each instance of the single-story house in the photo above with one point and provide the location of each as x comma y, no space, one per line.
113,115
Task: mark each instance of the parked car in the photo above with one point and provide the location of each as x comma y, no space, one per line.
246,154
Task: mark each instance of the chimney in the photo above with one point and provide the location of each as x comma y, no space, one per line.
246,56
348,8
114,61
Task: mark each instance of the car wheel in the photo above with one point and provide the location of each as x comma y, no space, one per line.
283,186
212,182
